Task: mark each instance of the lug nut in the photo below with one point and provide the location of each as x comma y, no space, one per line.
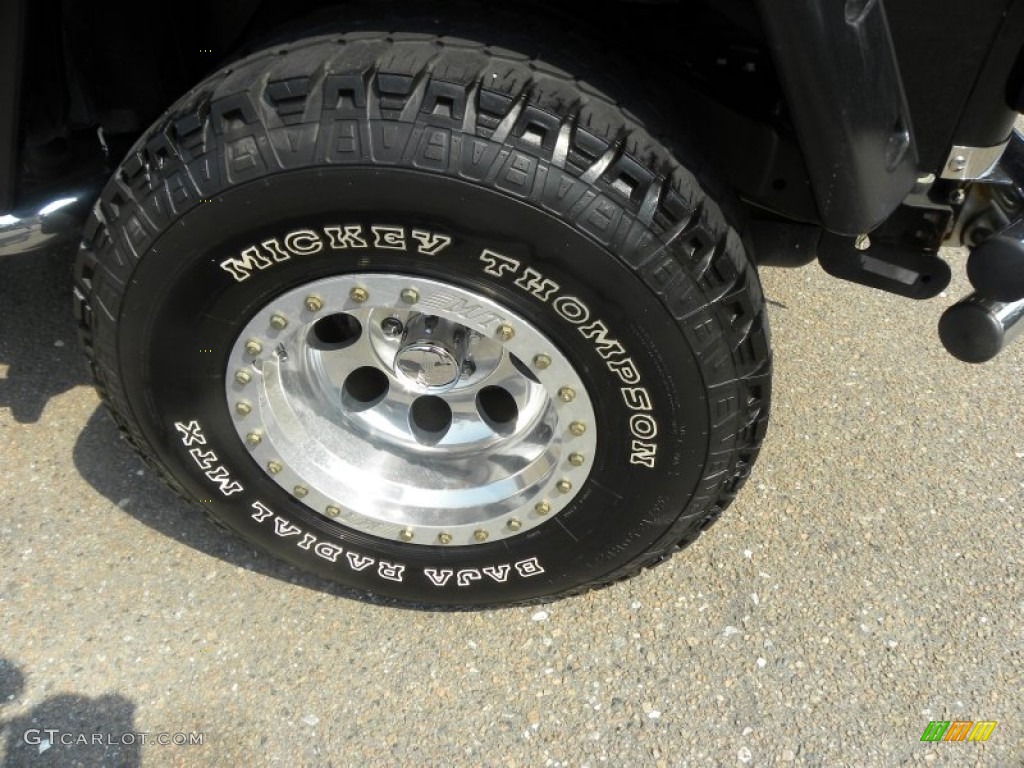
541,361
577,428
480,534
567,394
444,538
273,467
242,377
333,511
300,491
391,326
242,408
514,525
563,486
576,459
359,294
506,332
410,295
278,321
253,347
542,508
405,535
314,303
254,439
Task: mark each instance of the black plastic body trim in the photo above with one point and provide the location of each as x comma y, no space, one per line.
842,83
12,35
915,274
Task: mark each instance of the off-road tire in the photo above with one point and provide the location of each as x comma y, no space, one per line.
503,154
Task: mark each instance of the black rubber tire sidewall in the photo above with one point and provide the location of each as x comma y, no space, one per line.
182,313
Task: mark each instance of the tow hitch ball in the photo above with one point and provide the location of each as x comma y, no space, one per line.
976,328
980,326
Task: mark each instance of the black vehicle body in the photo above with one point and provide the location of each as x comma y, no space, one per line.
841,105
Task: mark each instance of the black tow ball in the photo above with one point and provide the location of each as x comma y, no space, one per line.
977,328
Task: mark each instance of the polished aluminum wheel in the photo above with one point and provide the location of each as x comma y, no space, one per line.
411,409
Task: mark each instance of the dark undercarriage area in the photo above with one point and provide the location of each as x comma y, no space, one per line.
106,65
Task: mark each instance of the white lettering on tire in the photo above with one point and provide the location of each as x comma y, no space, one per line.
390,571
497,265
328,551
192,434
528,568
359,562
438,577
344,237
430,243
643,449
498,572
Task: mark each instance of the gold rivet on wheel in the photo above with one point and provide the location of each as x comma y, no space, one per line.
563,486
300,491
567,394
333,511
242,408
410,295
577,428
542,508
243,377
506,332
314,303
514,525
480,534
541,361
253,347
278,321
444,538
253,438
359,294
273,467
576,459
405,535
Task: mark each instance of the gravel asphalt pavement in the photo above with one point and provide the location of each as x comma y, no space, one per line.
866,582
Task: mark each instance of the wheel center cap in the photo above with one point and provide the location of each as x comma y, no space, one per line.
432,353
428,365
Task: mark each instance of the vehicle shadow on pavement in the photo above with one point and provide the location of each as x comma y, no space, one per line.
69,729
38,341
108,464
39,346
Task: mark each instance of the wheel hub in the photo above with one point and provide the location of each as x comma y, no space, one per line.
432,354
411,409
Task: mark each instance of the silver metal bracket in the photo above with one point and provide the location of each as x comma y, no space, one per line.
971,163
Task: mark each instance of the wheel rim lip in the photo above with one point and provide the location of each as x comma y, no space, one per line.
504,507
